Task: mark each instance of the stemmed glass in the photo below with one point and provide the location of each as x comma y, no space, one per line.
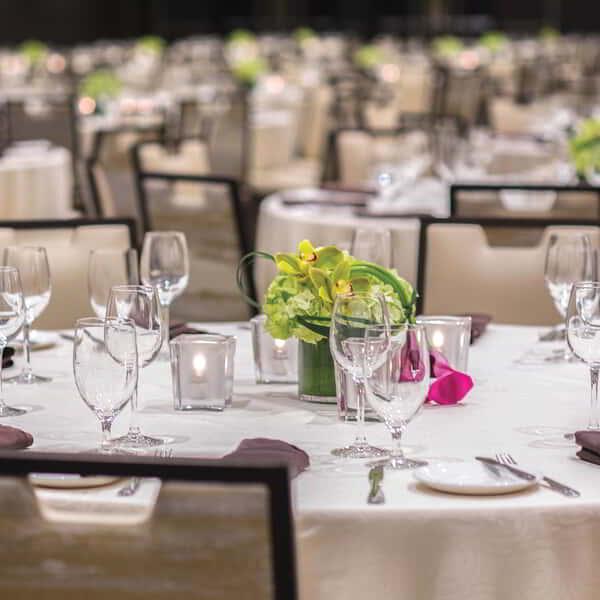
398,388
583,336
165,266
569,258
105,366
139,303
354,316
34,271
107,268
374,245
12,316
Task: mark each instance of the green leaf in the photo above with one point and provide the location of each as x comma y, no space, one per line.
288,263
329,257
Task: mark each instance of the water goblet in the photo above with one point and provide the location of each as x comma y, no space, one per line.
374,245
108,267
105,366
165,266
12,317
398,388
138,303
351,317
34,272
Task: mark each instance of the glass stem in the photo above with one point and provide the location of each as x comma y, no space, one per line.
360,439
2,346
106,437
166,324
594,422
397,452
134,425
27,347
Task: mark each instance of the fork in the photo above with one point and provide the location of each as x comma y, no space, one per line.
134,483
507,459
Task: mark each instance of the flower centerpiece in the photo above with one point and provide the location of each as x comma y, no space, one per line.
584,150
299,301
96,89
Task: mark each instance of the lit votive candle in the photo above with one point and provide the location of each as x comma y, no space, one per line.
450,336
275,360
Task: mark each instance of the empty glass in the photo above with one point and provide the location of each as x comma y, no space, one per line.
105,366
139,303
569,258
107,268
165,266
397,389
34,271
12,317
354,317
583,336
373,245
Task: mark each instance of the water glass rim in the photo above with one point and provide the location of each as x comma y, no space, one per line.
132,287
444,319
203,339
586,284
101,322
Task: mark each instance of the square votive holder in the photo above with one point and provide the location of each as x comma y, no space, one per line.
275,360
202,371
450,336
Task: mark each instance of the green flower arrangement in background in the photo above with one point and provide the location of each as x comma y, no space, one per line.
549,34
299,300
304,34
152,44
493,41
247,71
102,83
368,56
584,147
241,36
447,45
34,51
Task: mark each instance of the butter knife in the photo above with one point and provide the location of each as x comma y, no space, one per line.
375,478
514,470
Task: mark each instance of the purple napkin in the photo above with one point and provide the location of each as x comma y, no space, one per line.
479,323
264,449
590,445
7,355
12,438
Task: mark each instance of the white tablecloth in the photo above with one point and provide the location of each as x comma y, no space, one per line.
421,544
36,184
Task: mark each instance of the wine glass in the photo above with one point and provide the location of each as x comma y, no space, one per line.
105,366
569,258
374,245
12,317
107,268
139,303
353,316
398,388
583,336
165,266
34,271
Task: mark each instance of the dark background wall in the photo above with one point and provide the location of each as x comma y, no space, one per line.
71,21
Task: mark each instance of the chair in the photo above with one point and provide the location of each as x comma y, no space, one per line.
218,530
517,201
462,271
68,244
175,192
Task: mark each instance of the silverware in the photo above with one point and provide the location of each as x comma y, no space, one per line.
565,490
376,493
518,472
134,483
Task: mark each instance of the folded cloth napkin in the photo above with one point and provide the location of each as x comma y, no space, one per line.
450,386
12,438
264,449
590,445
177,329
7,355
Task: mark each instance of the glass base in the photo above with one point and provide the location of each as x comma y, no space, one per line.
558,442
543,430
360,451
9,411
399,463
25,378
137,440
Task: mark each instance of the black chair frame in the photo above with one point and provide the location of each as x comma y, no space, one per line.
273,476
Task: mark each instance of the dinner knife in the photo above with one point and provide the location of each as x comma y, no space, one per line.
514,470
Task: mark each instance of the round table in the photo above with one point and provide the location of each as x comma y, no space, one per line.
36,183
420,544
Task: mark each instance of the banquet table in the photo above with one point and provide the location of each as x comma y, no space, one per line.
420,544
36,183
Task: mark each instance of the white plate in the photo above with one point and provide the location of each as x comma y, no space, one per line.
472,478
70,481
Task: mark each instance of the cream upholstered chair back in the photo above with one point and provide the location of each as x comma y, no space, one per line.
461,272
203,539
68,244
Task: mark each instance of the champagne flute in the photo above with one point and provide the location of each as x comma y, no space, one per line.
374,245
138,303
105,366
398,388
569,258
12,317
583,337
353,318
106,268
165,266
34,271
